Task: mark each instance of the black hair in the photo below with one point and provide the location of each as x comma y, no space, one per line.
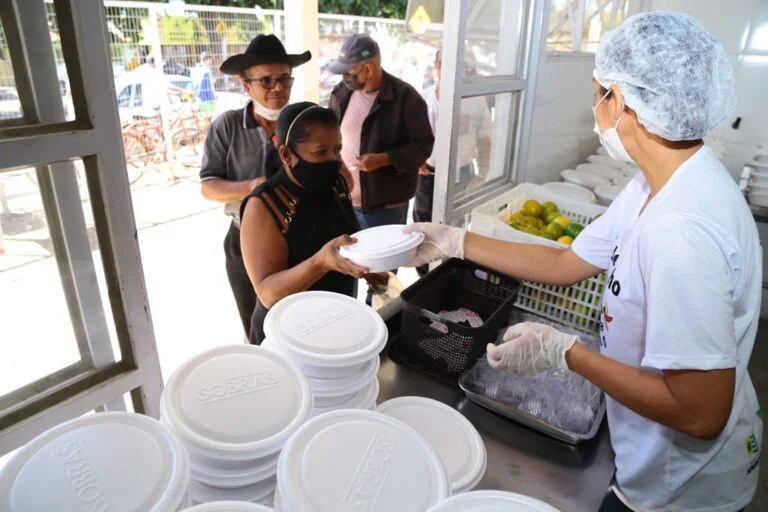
295,120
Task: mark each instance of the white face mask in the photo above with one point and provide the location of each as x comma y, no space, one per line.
610,138
269,114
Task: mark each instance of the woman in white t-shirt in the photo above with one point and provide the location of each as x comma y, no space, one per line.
681,249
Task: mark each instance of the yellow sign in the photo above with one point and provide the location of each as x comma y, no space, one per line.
419,19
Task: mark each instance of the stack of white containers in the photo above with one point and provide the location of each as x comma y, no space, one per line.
114,461
234,407
335,340
456,441
758,183
602,175
229,506
355,460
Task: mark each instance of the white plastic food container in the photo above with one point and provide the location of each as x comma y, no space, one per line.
352,460
582,178
383,248
229,506
262,492
571,191
326,334
606,160
606,194
364,399
234,407
116,461
453,437
492,501
345,386
602,170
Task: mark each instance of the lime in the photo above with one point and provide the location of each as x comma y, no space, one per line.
546,235
549,217
515,217
530,230
573,229
563,221
565,240
540,224
532,208
527,220
556,230
549,206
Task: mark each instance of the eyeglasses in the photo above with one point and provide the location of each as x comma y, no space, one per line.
268,82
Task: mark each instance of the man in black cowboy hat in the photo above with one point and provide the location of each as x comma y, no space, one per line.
239,154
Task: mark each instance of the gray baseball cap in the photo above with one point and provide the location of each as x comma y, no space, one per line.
356,48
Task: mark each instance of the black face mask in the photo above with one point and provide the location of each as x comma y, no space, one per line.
351,82
316,176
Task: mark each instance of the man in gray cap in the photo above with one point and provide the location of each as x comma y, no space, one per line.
386,135
239,154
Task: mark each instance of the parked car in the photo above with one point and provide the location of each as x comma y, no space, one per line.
10,106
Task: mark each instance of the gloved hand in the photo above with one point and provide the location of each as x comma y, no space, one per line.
440,242
530,348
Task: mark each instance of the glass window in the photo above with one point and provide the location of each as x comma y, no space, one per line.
41,293
597,17
124,98
494,30
137,98
10,106
485,129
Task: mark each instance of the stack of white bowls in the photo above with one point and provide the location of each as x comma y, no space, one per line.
335,340
492,501
234,407
758,184
359,460
456,441
105,461
602,175
229,506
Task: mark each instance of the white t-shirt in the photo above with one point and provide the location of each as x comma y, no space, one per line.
683,292
474,125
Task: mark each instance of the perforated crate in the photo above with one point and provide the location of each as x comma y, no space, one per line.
577,306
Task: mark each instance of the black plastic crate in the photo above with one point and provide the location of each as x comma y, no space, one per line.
439,347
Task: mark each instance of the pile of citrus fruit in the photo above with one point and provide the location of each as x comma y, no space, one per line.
546,221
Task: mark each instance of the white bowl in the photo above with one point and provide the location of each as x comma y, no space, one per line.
602,170
571,191
606,194
492,500
383,248
606,160
582,178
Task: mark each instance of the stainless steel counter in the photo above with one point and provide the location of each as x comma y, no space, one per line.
519,459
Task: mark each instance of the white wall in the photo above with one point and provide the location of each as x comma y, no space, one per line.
562,136
561,132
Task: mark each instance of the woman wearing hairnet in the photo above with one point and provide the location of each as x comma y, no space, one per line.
681,308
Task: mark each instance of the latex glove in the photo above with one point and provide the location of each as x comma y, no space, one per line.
530,348
440,242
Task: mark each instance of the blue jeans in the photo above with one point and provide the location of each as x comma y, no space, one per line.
397,215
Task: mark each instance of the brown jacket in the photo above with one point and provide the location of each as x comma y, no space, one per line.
399,126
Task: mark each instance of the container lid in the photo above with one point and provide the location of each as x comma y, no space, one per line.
118,461
492,501
381,242
254,493
609,192
453,437
582,178
326,329
363,399
601,170
354,460
207,399
229,506
345,385
607,160
571,191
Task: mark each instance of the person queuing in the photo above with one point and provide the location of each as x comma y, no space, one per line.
239,154
295,223
202,83
474,149
386,134
682,300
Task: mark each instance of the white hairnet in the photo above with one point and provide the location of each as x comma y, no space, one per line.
671,72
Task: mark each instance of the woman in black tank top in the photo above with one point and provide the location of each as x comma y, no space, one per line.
294,224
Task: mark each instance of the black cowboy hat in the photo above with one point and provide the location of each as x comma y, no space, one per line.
263,49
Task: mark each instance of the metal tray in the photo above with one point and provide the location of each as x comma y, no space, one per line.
523,417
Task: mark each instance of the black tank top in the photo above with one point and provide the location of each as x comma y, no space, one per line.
308,219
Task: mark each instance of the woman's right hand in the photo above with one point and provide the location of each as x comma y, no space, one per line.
330,260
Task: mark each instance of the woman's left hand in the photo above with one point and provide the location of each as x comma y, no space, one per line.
530,348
